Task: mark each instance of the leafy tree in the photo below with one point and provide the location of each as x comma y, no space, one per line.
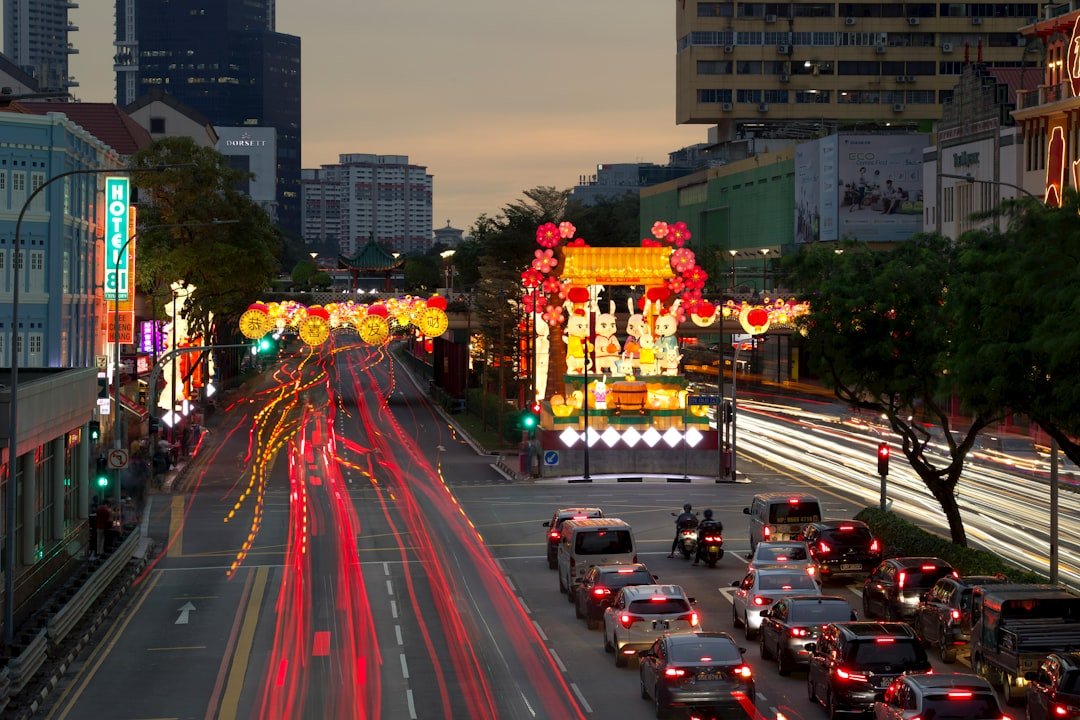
423,273
229,265
321,279
302,272
609,222
879,334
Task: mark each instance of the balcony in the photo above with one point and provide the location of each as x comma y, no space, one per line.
1044,95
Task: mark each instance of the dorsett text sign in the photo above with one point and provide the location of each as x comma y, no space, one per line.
117,267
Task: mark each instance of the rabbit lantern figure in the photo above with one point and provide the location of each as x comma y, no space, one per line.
667,345
576,337
607,342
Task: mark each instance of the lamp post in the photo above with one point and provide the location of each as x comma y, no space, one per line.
972,179
13,408
734,283
448,269
765,269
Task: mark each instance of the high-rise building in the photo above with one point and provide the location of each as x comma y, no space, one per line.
225,60
36,39
796,69
379,196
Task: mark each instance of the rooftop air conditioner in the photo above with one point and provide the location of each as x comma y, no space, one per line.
729,48
913,21
783,49
785,78
770,18
976,21
946,47
879,49
901,78
910,78
763,107
727,107
849,21
898,107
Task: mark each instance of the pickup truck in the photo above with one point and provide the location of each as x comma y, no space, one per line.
1014,626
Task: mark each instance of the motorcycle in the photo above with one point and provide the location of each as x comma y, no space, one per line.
688,539
712,547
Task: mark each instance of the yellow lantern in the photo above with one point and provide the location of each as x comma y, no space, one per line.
374,329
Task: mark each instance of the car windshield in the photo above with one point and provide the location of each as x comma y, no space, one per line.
704,650
855,537
872,655
659,606
800,513
958,707
786,581
617,580
820,613
780,553
1070,682
604,542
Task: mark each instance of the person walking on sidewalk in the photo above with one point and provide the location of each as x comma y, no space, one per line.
103,520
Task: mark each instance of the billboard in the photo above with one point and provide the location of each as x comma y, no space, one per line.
807,192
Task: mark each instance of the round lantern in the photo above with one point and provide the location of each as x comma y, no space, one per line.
433,322
373,328
704,314
437,301
255,322
754,319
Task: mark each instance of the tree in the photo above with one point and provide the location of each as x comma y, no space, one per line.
229,265
302,272
879,334
423,273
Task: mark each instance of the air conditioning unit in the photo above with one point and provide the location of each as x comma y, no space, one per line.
849,21
727,107
785,78
783,49
910,78
729,48
946,47
976,21
913,21
898,107
901,78
879,49
770,18
763,107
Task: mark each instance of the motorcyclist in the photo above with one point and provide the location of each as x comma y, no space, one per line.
709,526
686,519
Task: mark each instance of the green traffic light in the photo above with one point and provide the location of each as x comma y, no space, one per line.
528,421
102,481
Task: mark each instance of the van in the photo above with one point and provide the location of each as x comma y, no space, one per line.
592,541
780,516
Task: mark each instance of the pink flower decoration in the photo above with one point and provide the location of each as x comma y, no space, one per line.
545,261
682,260
649,242
680,314
547,235
564,289
567,229
553,315
552,285
528,302
531,278
695,277
675,284
692,295
660,230
678,234
578,242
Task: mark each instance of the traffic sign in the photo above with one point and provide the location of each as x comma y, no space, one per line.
118,459
551,458
102,362
702,399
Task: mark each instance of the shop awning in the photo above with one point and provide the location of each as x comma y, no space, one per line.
133,407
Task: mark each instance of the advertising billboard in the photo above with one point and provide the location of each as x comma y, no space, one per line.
807,192
879,186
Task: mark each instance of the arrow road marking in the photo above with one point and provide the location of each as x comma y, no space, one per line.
726,593
184,611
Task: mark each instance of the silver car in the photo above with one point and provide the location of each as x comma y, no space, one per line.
640,614
788,552
756,592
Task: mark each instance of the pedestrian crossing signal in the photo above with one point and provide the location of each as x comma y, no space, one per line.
101,478
95,430
883,459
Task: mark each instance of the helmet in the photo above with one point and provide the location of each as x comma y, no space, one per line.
708,514
686,507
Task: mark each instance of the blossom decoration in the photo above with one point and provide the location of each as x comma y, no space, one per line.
695,277
691,295
660,229
682,260
529,303
553,315
552,285
547,235
531,278
577,242
678,234
649,242
675,284
567,229
545,261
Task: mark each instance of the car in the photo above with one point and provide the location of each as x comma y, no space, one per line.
598,588
956,696
853,663
761,588
592,541
696,672
893,589
780,516
554,528
793,623
1053,692
840,548
640,614
771,554
943,615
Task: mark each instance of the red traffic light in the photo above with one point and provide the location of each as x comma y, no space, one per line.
883,450
535,408
883,459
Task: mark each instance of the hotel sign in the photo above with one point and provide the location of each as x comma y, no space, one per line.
117,267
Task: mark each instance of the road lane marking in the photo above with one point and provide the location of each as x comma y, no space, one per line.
726,593
389,587
176,527
527,705
540,630
386,568
108,648
397,633
524,606
234,630
557,659
393,608
230,701
580,697
412,705
179,647
510,583
404,666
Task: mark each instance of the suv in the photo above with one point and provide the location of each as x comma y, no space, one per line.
598,588
554,526
943,616
642,613
1053,692
893,589
842,547
853,663
780,516
944,695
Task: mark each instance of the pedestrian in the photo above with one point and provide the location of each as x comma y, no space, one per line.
103,520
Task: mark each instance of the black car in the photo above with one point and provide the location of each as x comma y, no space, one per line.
554,526
853,663
1054,691
842,547
943,616
600,585
894,588
703,673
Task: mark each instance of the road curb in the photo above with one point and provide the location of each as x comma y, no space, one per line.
636,479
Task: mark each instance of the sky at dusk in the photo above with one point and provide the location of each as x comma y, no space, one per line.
492,97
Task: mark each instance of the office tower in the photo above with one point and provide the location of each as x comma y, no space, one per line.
36,39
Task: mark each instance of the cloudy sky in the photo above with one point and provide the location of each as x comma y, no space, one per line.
492,97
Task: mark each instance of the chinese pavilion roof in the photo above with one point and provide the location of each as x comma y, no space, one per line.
371,258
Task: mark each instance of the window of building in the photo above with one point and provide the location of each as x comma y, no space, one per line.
713,67
748,38
755,10
43,525
858,67
18,182
860,10
157,125
813,96
920,97
714,9
748,67
814,10
748,96
714,95
776,96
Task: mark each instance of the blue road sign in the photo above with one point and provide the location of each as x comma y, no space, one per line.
702,399
551,458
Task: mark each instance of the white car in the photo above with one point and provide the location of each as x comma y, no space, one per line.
790,553
640,614
756,592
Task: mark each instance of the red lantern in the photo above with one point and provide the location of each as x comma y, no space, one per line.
429,345
437,301
657,294
578,295
379,310
758,317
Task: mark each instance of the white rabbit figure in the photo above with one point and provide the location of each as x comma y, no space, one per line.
667,345
647,352
542,354
576,337
176,328
634,326
606,341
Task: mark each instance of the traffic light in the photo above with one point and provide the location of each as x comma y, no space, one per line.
528,420
883,459
266,345
101,477
95,431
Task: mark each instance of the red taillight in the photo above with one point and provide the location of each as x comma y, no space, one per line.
824,548
884,641
579,517
954,614
1061,711
625,571
847,527
674,673
627,620
766,531
956,574
761,601
743,671
635,559
793,501
958,695
600,591
658,598
713,538
848,675
875,546
799,632
901,579
928,568
690,617
554,534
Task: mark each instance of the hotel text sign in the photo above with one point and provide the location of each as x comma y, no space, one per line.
117,267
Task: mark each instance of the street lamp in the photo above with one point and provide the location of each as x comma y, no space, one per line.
733,253
765,269
446,255
972,179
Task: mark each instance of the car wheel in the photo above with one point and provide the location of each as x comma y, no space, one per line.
948,650
591,623
765,654
784,665
747,630
734,616
552,565
831,707
562,585
608,647
577,609
644,692
620,659
890,614
1014,696
811,694
571,593
661,708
